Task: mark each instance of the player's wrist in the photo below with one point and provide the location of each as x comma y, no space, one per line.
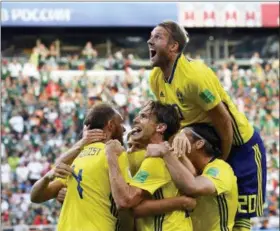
49,176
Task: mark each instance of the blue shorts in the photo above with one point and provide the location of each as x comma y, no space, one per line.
248,162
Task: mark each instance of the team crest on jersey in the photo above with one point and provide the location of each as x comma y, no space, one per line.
141,176
212,172
180,96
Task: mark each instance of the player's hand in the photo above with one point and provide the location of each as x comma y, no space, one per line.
188,203
114,147
158,150
61,195
92,135
60,170
181,144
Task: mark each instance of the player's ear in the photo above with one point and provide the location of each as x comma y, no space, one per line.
111,125
199,144
161,128
174,46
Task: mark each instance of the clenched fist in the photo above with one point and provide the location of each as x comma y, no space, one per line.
158,150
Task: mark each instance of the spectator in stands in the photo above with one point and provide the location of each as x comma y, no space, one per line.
52,56
256,59
90,55
15,69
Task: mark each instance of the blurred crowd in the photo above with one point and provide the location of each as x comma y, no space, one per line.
87,58
42,118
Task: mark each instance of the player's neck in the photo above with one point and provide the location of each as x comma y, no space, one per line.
167,67
156,139
200,162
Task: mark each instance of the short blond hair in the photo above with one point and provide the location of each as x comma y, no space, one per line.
177,32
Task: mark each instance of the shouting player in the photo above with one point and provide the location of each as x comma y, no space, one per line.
193,88
88,204
155,123
215,185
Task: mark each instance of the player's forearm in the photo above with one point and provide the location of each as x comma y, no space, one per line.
158,207
182,177
69,156
40,192
187,163
225,131
123,194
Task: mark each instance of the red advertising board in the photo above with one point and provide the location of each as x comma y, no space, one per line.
270,14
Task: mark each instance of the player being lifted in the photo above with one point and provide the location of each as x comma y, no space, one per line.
193,88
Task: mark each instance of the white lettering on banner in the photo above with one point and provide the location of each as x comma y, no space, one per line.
4,15
41,15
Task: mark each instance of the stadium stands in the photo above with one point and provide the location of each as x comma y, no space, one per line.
42,117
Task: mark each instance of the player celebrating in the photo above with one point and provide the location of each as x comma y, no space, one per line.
198,95
154,124
89,204
215,186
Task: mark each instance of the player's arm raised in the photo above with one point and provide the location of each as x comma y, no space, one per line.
89,136
47,188
125,196
205,94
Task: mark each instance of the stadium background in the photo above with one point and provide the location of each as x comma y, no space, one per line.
60,58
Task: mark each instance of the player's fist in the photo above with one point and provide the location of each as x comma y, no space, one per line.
61,195
93,135
181,144
114,147
60,170
158,150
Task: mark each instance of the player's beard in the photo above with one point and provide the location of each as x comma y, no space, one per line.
162,59
118,136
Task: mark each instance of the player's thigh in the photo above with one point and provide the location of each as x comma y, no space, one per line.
249,164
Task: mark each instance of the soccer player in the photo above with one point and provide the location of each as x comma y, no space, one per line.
155,123
215,185
88,204
193,88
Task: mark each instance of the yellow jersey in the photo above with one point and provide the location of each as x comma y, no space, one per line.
216,213
194,89
89,205
135,160
153,177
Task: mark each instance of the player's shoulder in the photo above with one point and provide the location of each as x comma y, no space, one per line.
218,167
155,74
153,162
193,64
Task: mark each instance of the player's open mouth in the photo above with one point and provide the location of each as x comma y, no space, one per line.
152,53
136,130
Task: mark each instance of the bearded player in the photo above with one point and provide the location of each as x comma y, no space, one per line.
199,97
